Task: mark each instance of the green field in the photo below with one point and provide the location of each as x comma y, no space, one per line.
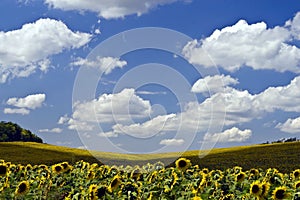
283,156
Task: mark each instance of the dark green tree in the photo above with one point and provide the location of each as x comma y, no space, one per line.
10,132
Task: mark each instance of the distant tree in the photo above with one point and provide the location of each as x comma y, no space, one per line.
10,132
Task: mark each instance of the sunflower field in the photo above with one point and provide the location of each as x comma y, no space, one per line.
83,180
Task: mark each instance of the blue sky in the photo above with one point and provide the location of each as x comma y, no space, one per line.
221,73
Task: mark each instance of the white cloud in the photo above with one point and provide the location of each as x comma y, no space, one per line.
54,130
22,111
290,126
25,50
172,142
231,135
294,25
109,9
105,64
239,106
121,107
149,92
31,101
252,45
213,84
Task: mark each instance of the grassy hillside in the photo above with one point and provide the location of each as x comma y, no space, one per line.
284,156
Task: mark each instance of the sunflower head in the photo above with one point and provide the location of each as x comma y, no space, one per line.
22,188
240,177
3,169
256,188
297,185
93,191
280,193
57,168
265,186
182,164
296,173
115,182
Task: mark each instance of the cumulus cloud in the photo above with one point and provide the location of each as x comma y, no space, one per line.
31,101
253,45
231,135
105,64
22,111
239,106
172,142
290,126
294,25
26,50
108,108
109,9
213,84
54,130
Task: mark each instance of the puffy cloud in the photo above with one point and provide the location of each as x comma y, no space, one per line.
294,25
231,135
172,142
22,111
213,84
290,126
286,98
119,107
54,130
26,50
109,9
239,106
252,45
105,64
31,101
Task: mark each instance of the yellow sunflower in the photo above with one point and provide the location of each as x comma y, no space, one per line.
93,192
297,185
265,186
57,168
114,183
256,188
296,173
240,177
182,164
280,193
22,188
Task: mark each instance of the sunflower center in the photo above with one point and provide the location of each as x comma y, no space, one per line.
255,189
114,183
2,169
22,187
101,192
280,194
182,163
58,168
296,174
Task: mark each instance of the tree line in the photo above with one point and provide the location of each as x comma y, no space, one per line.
10,132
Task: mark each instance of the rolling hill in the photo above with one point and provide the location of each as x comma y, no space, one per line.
283,156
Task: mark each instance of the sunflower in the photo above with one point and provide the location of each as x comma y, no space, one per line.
90,175
280,193
297,185
265,186
114,183
182,164
256,189
3,169
240,177
57,168
101,191
296,173
66,167
205,170
22,188
93,192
